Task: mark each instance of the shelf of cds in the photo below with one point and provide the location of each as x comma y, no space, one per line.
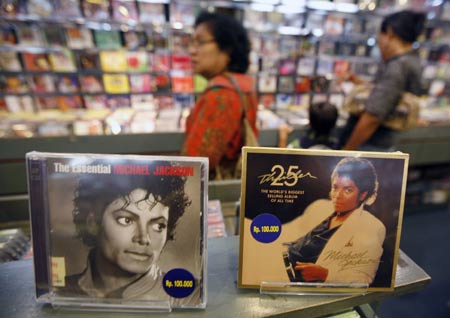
88,67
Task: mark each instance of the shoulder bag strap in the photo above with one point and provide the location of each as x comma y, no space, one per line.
240,93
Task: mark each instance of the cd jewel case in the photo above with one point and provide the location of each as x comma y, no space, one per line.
324,218
118,232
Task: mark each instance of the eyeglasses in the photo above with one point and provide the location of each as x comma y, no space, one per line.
199,43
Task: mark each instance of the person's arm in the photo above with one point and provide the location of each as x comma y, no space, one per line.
364,129
214,126
283,134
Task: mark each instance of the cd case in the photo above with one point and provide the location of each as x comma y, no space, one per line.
118,232
320,218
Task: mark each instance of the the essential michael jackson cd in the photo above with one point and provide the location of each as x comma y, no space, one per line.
321,218
119,232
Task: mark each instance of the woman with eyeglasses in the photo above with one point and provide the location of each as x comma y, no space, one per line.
220,53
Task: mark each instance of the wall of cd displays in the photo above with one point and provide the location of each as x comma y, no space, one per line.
128,62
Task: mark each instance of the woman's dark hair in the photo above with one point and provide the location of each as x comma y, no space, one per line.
322,118
231,37
95,192
407,24
360,171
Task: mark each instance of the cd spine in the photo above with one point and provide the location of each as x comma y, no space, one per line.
38,215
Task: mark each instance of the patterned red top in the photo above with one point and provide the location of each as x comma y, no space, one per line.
213,128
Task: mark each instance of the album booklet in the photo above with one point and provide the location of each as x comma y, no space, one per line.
321,218
118,232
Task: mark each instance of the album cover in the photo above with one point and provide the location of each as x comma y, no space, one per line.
341,67
142,83
30,35
67,9
135,39
315,21
12,7
88,60
42,83
95,101
324,67
181,42
108,40
288,46
168,120
69,102
182,13
159,62
354,26
181,62
270,47
267,100
54,36
143,122
62,61
91,83
119,232
116,102
79,38
137,61
320,84
327,47
7,34
46,103
158,40
306,66
162,82
9,61
268,63
95,9
19,104
152,13
40,8
84,127
283,101
113,61
293,18
16,84
334,25
143,102
286,84
116,83
332,218
307,47
345,49
124,11
183,101
303,84
254,20
267,83
67,84
37,62
164,101
182,83
287,66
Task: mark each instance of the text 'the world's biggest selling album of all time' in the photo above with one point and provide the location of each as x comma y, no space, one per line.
118,232
320,218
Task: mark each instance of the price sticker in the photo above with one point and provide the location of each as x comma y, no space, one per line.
266,228
179,283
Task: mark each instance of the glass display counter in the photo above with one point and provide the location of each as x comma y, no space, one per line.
224,298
